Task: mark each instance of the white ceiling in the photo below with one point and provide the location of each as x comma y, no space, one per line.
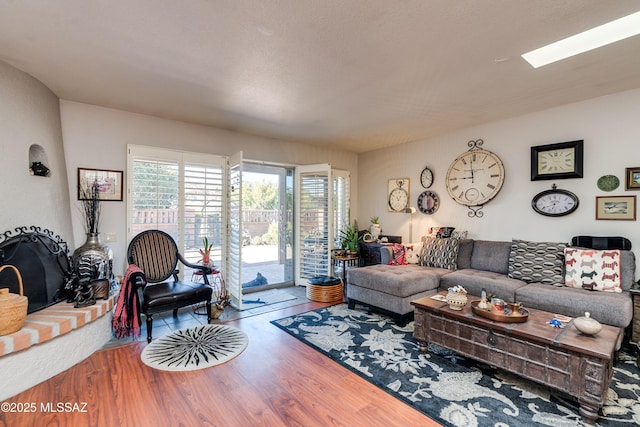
357,75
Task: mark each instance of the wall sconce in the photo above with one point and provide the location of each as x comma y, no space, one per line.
38,169
411,210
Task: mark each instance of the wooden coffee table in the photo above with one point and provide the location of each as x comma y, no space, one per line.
560,358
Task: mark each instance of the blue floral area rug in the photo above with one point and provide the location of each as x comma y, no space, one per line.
449,388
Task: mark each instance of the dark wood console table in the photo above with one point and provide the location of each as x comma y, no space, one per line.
563,359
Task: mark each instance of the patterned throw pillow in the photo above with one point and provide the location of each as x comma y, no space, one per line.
537,262
399,257
593,269
412,252
440,252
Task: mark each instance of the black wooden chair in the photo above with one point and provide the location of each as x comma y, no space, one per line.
157,255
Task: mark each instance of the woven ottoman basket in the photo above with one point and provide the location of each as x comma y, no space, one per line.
324,289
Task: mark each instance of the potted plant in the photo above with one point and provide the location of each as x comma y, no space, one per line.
349,238
93,260
375,227
206,252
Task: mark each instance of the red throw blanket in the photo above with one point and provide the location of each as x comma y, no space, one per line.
126,318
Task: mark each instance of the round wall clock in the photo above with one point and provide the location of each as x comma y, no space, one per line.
555,202
428,202
475,177
426,177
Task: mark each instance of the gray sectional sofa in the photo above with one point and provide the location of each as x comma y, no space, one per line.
488,265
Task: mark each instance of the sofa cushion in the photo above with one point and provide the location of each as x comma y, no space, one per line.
465,249
474,281
491,256
627,269
610,308
440,252
593,269
397,280
537,262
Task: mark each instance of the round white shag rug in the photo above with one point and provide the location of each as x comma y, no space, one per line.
197,347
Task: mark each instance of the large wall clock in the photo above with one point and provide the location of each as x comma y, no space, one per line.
475,177
398,194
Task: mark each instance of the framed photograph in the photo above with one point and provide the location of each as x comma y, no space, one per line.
108,182
557,161
632,178
616,208
398,195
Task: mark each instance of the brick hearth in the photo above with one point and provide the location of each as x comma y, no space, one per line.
51,322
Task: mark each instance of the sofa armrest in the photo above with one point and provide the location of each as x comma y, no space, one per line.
386,254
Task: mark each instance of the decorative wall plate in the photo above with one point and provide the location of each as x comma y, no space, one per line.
428,202
608,182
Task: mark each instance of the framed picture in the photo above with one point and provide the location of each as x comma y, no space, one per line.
398,194
108,182
557,161
616,208
632,178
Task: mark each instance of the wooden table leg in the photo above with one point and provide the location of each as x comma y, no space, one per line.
588,412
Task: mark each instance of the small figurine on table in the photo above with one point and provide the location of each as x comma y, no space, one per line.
555,323
483,301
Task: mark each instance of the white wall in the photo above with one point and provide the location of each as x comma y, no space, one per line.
609,126
96,137
30,114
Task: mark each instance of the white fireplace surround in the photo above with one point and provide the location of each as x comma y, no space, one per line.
51,341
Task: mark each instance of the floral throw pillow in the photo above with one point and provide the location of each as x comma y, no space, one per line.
399,255
593,269
412,252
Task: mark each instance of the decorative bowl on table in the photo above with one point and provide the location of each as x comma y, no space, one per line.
587,325
456,298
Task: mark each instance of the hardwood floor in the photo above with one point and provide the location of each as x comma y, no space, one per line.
276,381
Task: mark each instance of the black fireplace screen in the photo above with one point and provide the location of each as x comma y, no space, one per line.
42,258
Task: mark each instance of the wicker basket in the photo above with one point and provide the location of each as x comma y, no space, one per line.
13,308
456,300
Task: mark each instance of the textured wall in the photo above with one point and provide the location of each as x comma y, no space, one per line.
30,115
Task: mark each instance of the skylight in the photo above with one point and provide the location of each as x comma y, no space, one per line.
625,27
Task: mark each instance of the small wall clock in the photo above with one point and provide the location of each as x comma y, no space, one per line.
557,161
426,177
428,202
475,177
398,194
555,202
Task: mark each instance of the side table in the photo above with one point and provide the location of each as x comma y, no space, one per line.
216,281
345,261
635,323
